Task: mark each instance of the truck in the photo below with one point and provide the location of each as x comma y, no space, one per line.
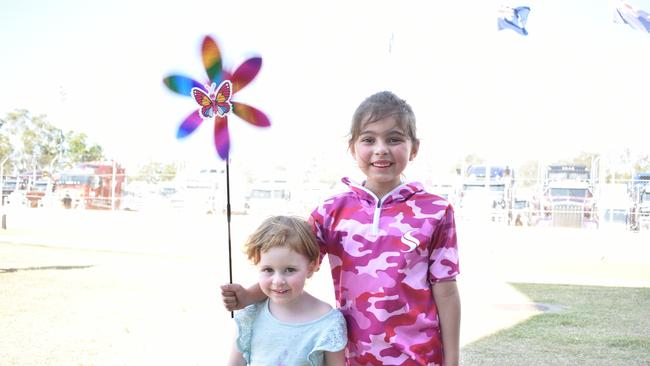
614,204
640,211
568,199
26,189
9,185
36,185
487,195
91,185
195,191
521,211
266,196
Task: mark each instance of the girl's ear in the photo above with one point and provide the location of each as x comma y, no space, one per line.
414,149
313,267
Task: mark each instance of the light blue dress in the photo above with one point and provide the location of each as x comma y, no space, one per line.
265,341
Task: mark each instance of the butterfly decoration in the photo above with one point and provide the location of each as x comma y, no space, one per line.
220,103
217,102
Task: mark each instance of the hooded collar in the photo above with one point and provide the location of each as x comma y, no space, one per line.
399,194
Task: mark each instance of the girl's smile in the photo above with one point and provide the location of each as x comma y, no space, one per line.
283,273
382,164
382,151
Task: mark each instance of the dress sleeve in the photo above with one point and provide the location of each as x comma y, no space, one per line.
443,261
244,320
332,339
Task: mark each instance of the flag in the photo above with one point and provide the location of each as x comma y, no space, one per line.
513,18
625,13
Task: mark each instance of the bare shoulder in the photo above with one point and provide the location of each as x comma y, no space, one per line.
318,307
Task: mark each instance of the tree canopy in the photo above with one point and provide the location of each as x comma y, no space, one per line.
31,143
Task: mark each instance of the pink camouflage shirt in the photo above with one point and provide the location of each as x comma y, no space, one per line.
384,256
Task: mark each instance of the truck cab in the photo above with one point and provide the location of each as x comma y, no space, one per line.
641,210
486,192
569,204
568,198
91,185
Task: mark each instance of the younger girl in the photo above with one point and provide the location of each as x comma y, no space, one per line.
290,327
391,248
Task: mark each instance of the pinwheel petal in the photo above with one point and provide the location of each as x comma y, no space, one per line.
181,84
245,73
189,124
211,59
250,114
221,137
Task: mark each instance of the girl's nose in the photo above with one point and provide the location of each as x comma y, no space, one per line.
381,148
278,279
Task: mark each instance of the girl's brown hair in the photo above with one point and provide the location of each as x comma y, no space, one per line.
282,231
379,106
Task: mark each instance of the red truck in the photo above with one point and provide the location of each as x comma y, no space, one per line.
91,185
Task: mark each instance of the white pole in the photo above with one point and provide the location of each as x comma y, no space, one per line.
2,179
113,183
488,182
52,164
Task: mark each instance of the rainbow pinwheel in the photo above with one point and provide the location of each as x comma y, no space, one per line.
214,97
214,100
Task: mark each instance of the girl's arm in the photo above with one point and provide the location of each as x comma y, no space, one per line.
335,358
236,297
445,294
236,357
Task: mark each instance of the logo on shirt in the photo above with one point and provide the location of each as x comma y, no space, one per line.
410,241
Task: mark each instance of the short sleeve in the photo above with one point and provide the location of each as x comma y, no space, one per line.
244,320
443,261
333,339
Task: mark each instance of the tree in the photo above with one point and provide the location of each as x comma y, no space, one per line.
584,158
5,151
154,172
642,163
527,174
33,143
470,159
78,149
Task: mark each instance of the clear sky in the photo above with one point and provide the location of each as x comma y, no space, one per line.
577,82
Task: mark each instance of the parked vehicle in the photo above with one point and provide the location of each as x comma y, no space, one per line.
93,185
614,204
38,189
640,213
520,213
487,195
268,196
568,199
9,184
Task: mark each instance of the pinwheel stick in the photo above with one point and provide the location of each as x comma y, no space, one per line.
232,314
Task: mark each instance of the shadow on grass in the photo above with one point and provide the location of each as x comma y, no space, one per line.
591,326
43,268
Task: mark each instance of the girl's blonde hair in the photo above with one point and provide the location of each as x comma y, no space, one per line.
282,231
379,106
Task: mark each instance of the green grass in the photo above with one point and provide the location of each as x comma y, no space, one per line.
587,325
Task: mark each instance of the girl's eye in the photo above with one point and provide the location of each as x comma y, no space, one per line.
267,270
367,140
395,140
290,270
